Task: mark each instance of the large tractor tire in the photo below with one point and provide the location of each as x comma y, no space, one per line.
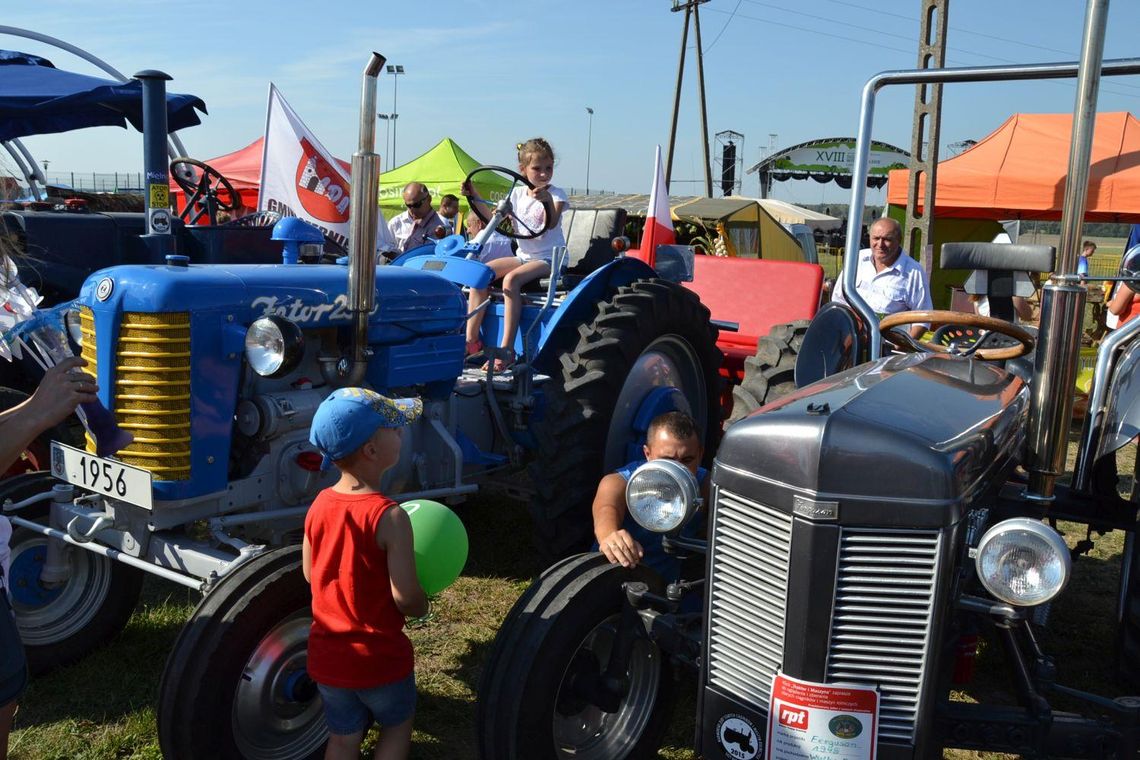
61,624
534,691
1128,610
644,339
235,684
770,374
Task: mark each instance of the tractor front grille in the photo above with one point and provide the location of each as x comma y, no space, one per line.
882,608
751,544
151,395
881,619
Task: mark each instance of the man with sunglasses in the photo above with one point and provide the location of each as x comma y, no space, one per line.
420,223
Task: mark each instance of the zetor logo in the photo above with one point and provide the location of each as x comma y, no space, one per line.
793,718
320,188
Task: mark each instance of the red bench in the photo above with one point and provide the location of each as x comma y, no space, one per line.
756,294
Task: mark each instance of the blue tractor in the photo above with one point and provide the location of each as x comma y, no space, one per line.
217,370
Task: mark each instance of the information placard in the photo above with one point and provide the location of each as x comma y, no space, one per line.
813,721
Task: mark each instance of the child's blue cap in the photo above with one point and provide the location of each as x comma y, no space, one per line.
349,416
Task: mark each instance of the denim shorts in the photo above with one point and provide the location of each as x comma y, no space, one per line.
349,711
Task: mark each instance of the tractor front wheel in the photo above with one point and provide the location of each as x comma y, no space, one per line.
59,624
235,684
537,695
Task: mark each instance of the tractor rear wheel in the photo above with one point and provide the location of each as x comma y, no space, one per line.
536,692
770,374
60,624
235,684
648,349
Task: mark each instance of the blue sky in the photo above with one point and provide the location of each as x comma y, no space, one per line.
491,73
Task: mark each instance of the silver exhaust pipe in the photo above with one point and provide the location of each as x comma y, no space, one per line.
363,213
1063,298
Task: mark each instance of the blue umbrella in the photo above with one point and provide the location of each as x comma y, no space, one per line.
36,98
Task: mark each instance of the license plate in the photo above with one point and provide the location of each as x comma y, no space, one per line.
105,476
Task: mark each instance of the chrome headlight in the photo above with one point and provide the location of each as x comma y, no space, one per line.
661,495
1023,562
274,346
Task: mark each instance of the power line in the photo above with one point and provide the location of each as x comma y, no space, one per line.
879,46
726,23
881,12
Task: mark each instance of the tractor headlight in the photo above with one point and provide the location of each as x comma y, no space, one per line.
274,346
662,495
1023,562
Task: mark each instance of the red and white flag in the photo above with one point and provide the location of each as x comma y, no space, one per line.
299,177
658,222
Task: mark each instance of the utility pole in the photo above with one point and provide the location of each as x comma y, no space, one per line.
925,132
690,9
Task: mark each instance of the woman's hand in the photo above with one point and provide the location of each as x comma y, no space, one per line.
61,390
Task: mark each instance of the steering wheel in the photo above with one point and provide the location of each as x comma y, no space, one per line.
1024,341
478,206
206,190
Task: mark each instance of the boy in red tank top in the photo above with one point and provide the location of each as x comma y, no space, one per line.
358,557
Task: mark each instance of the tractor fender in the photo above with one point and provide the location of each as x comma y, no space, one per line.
1122,417
579,305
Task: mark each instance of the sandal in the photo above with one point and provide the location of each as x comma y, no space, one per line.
473,347
500,365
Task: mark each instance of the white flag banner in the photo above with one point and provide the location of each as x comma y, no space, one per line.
300,178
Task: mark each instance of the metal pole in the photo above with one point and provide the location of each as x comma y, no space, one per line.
1062,300
677,96
589,142
158,237
704,107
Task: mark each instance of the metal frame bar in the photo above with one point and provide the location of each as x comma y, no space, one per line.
1017,73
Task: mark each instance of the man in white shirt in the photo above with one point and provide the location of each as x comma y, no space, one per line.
420,223
888,279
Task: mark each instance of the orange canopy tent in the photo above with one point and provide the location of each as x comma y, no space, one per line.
243,169
1018,172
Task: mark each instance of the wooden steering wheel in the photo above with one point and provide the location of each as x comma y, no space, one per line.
1024,340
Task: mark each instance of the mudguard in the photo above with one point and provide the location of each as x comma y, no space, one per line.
835,341
1122,417
579,305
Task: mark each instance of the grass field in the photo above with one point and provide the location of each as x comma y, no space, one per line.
104,707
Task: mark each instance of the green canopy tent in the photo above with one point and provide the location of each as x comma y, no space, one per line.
442,169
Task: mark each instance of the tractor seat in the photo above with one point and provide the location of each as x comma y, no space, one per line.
589,237
999,271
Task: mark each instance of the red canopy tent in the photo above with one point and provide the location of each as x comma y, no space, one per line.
243,169
1018,172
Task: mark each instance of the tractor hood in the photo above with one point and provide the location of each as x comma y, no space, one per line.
922,431
313,296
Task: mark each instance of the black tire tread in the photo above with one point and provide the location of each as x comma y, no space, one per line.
122,596
1128,639
769,374
193,682
505,682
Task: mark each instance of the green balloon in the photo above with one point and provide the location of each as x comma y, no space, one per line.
440,544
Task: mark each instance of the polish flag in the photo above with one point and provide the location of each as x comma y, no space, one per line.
659,223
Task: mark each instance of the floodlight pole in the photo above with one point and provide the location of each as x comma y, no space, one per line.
589,142
395,71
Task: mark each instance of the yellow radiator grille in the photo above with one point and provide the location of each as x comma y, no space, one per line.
152,389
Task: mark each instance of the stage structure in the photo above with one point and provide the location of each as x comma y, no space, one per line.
827,159
730,161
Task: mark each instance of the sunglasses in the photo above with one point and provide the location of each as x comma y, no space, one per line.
418,203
